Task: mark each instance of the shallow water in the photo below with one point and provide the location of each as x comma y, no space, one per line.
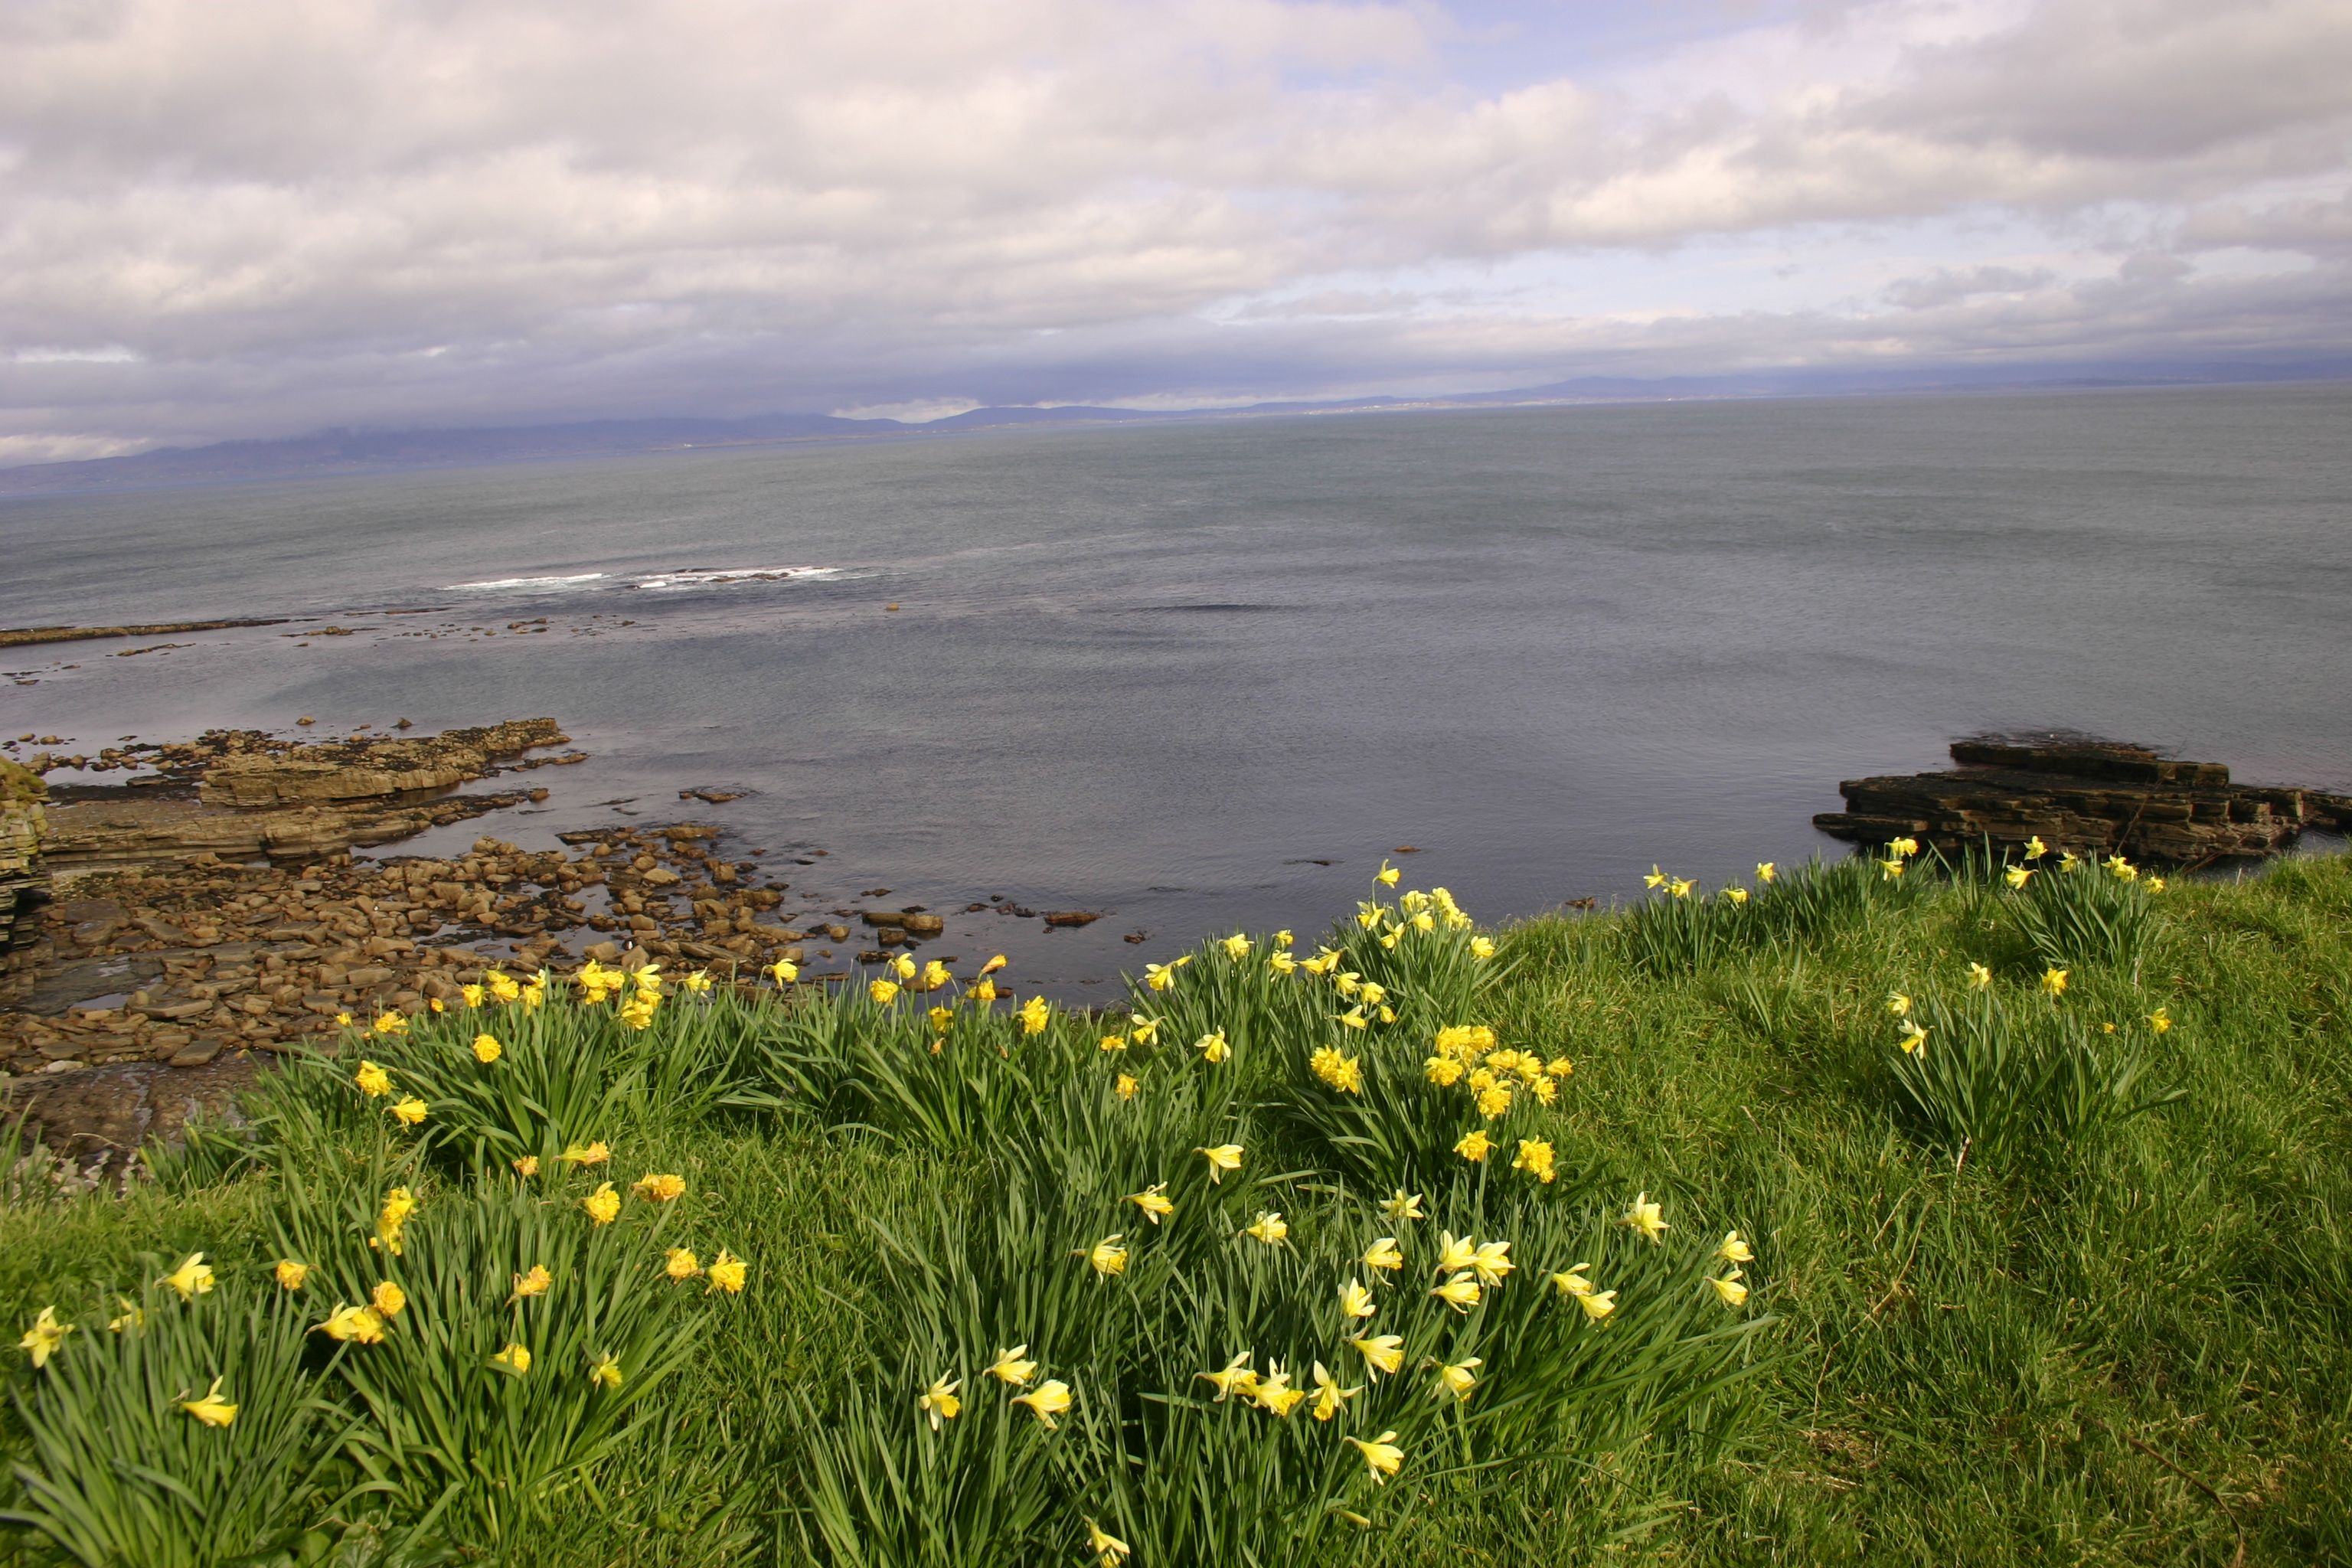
1163,671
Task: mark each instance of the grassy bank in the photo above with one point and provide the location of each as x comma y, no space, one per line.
2038,1290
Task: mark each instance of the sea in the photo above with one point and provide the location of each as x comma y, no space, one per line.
1200,676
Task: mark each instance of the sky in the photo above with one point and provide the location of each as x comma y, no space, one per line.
265,217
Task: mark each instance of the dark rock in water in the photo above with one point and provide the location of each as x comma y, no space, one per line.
1074,918
2085,795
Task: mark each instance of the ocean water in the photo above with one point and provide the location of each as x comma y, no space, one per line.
1202,676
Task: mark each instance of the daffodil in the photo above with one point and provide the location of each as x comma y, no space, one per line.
1657,879
1033,1015
1903,848
534,1283
1458,1378
603,1204
342,1020
2035,849
1455,1255
1401,1205
527,1166
1898,1004
1597,1304
503,985
2121,870
1237,946
1356,1301
392,1219
212,1409
1281,963
681,1264
1681,887
1573,1282
579,1156
1325,961
1913,1039
1107,1548
783,971
1494,1101
1729,1289
1125,1086
2156,884
1381,1353
1733,1249
42,1338
1161,976
659,1186
290,1274
1213,1047
1383,1254
1223,1157
1460,1292
487,1049
2054,980
1341,1072
1474,1146
1442,1071
1382,1455
1010,1368
1154,1201
1482,948
1107,1257
1114,1042
1647,1217
992,965
1274,1392
1559,1067
388,1298
726,1273
409,1112
903,967
605,1373
191,1279
391,1024
1269,1228
1330,1399
940,1402
1980,977
1738,896
360,1323
515,1359
2018,876
1890,870
2159,1020
472,994
373,1081
2068,864
1143,1029
883,991
1354,1018
1045,1400
1492,1263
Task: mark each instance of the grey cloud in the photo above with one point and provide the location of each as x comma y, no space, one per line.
1944,286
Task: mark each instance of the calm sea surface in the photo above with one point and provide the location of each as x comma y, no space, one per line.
1164,672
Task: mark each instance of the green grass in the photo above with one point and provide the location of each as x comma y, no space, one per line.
2047,1335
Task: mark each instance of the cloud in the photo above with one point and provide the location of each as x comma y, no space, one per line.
264,217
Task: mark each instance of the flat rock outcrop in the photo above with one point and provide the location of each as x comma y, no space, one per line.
23,882
2084,795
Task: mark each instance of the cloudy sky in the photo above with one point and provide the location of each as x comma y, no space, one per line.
262,218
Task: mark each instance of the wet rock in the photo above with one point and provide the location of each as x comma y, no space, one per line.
2085,795
1068,918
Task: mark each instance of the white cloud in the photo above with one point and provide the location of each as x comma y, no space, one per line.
280,214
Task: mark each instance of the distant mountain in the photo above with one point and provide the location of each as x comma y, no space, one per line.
332,452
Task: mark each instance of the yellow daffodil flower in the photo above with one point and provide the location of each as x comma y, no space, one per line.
1330,1399
1573,1282
1107,1257
1903,848
1114,1042
1143,1029
2054,980
1126,1087
1890,870
373,1081
660,1187
515,1359
1325,961
1382,1455
212,1409
1010,1369
1274,1394
1455,1255
388,1298
534,1283
1045,1400
1343,1073
487,1049
1597,1304
1729,1289
1387,876
502,985
1033,1015
2159,1020
1494,1101
681,1264
1356,1301
44,1339
1681,887
2035,849
1354,1018
1559,1067
983,993
191,1279
1213,1047
1462,1292
1107,1548
1381,1353
1161,976
527,1166
1657,879
992,966
883,991
1442,1071
472,994
2156,884
1383,1254
1401,1205
2121,870
1980,977
1459,1378
942,1019
348,1323
409,1112
603,1204
1492,1262
2068,864
728,1273
398,1205
784,971
938,1401
342,1020
1647,1217
1154,1201
391,1024
1482,948
1738,896
2018,876
1281,963
1546,1090
1223,1158
290,1274
903,967
1766,871
579,1156
1235,1380
1474,1147
605,1373
1898,1003
1913,1039
1237,946
1269,1228
1734,1250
